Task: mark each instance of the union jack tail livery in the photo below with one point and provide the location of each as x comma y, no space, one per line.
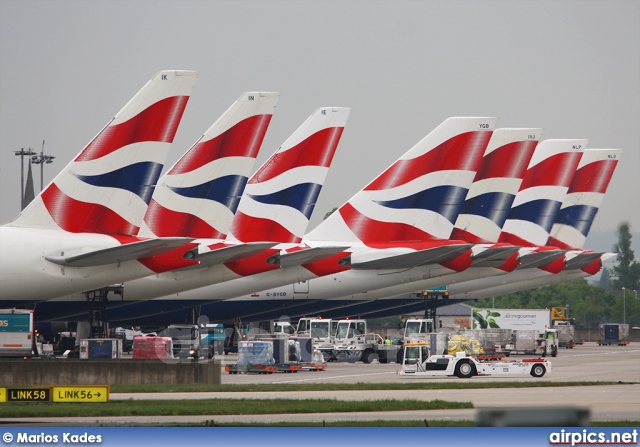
280,197
199,195
541,193
106,189
584,198
419,197
494,188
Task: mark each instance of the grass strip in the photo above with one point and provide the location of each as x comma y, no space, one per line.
217,407
375,386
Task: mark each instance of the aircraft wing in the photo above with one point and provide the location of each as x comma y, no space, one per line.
121,253
308,256
434,255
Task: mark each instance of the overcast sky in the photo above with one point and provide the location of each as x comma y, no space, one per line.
571,67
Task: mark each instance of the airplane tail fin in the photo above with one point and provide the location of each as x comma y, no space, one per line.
543,188
107,187
199,195
583,200
280,197
495,186
419,196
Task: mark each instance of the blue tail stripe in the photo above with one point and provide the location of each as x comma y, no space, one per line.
579,217
541,212
139,178
301,197
226,190
445,200
494,206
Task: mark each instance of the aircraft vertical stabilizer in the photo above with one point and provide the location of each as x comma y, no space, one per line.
419,197
107,187
199,195
543,188
280,197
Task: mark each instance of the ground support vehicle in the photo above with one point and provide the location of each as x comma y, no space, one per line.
286,352
613,334
473,348
566,334
151,347
419,363
16,333
323,331
213,335
354,344
533,342
564,325
311,359
254,357
417,329
187,341
491,343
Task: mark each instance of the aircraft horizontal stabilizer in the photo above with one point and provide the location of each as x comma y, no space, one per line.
232,253
308,256
122,253
494,256
540,259
582,260
435,255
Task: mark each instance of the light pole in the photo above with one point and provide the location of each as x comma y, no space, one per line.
41,159
22,153
624,305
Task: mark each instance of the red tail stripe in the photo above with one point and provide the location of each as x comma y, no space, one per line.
594,177
464,235
373,231
165,223
256,229
158,122
508,161
462,152
242,140
81,217
558,243
557,170
310,152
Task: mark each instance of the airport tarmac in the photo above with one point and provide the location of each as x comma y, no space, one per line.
619,402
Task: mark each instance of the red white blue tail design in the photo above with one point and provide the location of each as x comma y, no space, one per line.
199,195
107,187
494,188
281,195
584,198
419,197
541,193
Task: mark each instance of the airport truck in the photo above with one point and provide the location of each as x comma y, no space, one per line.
213,335
417,329
418,362
353,344
16,333
187,341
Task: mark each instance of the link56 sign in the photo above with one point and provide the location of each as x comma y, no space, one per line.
80,393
